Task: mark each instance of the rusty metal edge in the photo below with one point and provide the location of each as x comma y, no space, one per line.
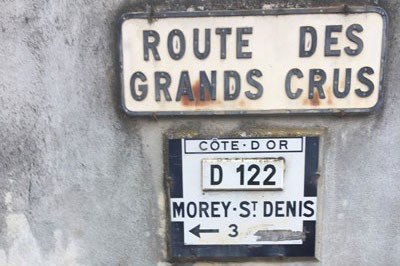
267,12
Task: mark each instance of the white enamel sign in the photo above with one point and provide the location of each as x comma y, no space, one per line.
246,193
244,62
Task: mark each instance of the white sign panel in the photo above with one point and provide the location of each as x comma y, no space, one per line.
249,198
266,61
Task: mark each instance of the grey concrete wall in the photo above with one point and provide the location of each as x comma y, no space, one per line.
82,184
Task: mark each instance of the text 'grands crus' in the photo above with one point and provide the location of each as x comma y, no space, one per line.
233,84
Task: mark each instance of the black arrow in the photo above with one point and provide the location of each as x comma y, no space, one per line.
196,231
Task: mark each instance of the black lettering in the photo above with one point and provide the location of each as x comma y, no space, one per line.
234,232
240,42
255,84
271,144
197,53
234,145
345,92
180,44
191,209
178,209
223,32
147,45
231,94
142,87
226,207
203,209
283,143
291,208
317,79
279,209
355,39
162,86
300,208
254,205
329,40
293,72
267,181
268,208
213,180
364,80
211,86
214,145
312,43
240,170
255,144
224,142
252,181
214,209
201,146
184,87
243,205
306,206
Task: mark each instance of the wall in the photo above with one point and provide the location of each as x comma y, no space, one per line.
81,183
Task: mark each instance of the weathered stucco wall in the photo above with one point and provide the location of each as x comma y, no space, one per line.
81,183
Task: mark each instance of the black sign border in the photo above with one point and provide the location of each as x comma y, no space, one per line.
180,252
278,11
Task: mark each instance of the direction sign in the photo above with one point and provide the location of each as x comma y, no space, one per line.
319,60
243,197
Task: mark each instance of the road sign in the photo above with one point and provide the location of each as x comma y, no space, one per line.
318,60
243,197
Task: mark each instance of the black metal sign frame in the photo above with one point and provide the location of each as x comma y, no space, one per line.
178,251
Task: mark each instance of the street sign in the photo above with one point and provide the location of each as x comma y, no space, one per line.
242,197
320,60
